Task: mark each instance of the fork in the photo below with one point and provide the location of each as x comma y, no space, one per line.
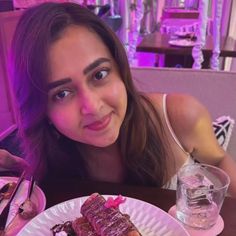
5,211
28,208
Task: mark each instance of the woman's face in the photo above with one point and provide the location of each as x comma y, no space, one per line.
87,98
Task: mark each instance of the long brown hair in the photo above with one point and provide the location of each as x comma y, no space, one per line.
141,138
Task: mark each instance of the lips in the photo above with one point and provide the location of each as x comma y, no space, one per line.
100,124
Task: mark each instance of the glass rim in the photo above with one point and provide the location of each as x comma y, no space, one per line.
226,185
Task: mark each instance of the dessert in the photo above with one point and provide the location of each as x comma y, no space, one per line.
100,217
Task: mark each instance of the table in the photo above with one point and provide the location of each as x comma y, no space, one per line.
158,43
179,13
62,190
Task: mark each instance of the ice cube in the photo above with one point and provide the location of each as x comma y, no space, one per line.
199,190
207,182
199,196
192,181
197,180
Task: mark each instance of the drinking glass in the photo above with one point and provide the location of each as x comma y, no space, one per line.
201,190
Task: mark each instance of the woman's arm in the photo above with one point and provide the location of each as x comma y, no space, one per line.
193,126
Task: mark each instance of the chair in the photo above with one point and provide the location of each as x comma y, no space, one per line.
6,5
106,13
114,22
179,16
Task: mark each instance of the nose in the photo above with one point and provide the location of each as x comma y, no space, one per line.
90,102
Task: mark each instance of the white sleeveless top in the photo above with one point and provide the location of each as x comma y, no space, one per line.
172,183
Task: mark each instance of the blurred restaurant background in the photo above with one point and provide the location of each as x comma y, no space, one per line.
188,24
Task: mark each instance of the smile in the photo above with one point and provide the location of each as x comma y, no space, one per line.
100,124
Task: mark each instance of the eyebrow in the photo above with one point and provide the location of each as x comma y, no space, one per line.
86,70
95,64
58,83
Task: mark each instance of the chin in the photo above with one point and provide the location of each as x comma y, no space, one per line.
104,142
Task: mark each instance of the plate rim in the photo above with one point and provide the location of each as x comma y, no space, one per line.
172,42
83,198
42,194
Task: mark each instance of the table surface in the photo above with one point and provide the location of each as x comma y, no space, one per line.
158,43
179,13
62,190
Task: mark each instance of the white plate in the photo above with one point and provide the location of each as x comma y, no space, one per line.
37,197
182,42
150,220
183,34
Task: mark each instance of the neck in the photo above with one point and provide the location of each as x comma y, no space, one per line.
93,151
104,164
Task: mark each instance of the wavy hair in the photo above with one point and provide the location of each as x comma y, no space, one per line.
141,137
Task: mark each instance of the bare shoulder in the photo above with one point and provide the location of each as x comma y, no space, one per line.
192,124
188,117
181,108
186,114
185,108
155,98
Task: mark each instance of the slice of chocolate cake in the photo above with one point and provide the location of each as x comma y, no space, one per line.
107,220
78,227
82,227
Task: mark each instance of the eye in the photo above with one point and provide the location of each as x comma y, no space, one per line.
100,74
61,95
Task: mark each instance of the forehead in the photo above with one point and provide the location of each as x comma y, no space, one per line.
75,35
77,47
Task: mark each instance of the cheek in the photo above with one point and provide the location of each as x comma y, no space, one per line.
118,96
62,119
118,100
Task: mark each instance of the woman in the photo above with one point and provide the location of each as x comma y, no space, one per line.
80,114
